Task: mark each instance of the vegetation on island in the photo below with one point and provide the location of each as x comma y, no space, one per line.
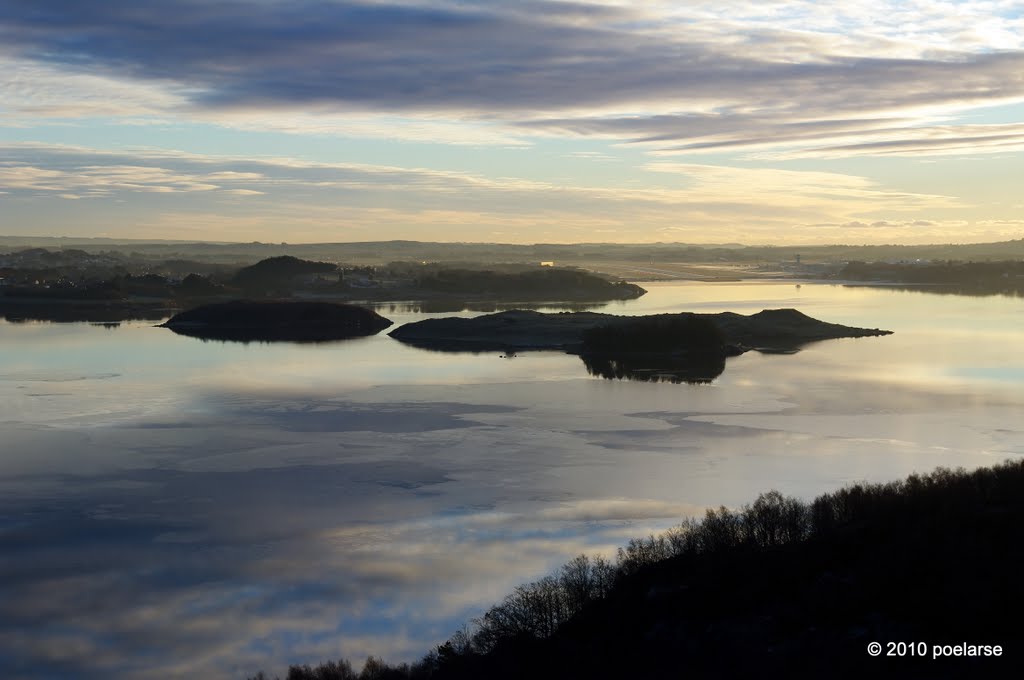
778,588
658,333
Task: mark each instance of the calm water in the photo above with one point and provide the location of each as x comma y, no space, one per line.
182,508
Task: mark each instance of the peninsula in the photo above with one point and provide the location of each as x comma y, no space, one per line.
75,285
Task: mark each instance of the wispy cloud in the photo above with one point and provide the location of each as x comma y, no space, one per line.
301,197
937,140
104,180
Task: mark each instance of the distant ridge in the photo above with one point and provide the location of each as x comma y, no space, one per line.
567,253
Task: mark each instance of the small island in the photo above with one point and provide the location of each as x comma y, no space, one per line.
293,321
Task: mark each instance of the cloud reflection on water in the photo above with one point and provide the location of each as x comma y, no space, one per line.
212,511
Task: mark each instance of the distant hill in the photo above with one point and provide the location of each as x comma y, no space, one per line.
277,273
379,252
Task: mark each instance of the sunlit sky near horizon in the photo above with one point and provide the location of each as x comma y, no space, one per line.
513,121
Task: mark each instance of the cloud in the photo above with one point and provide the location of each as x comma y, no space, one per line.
32,92
101,180
680,77
805,189
300,200
919,141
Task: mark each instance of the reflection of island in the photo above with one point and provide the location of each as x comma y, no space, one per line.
452,306
66,311
693,370
277,321
683,347
674,348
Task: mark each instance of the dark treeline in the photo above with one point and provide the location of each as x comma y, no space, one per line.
777,588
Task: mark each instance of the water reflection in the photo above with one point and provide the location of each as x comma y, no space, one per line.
456,306
185,510
1009,291
68,313
692,370
272,336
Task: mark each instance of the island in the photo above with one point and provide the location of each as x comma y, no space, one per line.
294,321
685,347
728,332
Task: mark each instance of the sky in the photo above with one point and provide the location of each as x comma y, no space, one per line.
513,121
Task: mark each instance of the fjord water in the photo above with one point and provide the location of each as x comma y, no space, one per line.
181,508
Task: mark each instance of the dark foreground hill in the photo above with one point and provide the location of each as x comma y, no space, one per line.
268,321
927,569
933,565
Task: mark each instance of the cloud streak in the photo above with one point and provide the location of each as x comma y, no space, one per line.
294,194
